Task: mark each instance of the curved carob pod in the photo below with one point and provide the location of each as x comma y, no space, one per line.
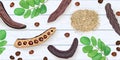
64,54
112,19
7,20
59,11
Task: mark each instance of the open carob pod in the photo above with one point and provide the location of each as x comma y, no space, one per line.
28,42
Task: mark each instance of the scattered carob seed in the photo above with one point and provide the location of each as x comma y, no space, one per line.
64,54
117,42
36,24
12,57
77,3
19,59
18,53
118,13
100,1
112,19
114,54
59,11
45,58
118,48
67,34
12,4
31,52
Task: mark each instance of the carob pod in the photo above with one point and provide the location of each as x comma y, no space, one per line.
59,11
28,42
7,20
112,19
64,54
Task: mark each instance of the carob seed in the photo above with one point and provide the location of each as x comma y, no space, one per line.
117,42
19,43
36,41
25,43
112,19
30,43
100,1
118,48
67,34
19,59
45,36
37,24
12,4
18,53
48,33
12,57
64,54
31,52
118,13
114,54
40,39
77,3
45,58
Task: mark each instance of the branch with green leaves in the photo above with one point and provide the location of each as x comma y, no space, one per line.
3,42
31,8
97,50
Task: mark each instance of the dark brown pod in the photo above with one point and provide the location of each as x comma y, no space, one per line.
7,19
64,54
59,11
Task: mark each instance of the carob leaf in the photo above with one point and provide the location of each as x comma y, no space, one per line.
27,14
33,13
31,3
92,53
97,57
85,40
103,58
107,50
43,9
3,43
37,2
87,49
2,34
42,1
24,4
1,50
37,12
94,41
19,11
101,45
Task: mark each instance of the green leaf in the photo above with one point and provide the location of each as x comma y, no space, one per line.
33,13
97,57
24,4
31,3
37,11
19,11
93,40
87,49
27,14
42,1
85,40
3,43
103,58
92,53
107,50
43,9
101,45
2,34
1,50
37,2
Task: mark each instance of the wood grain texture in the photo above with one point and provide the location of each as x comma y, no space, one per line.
104,31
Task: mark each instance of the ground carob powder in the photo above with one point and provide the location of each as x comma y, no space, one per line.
84,20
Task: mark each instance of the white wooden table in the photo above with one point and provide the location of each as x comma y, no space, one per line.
63,24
